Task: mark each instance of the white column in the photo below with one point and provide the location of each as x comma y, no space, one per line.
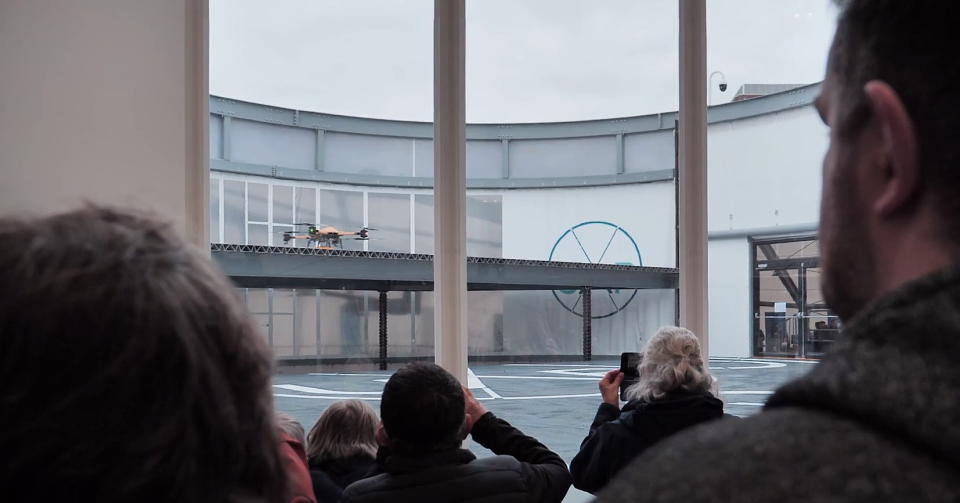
105,101
693,169
450,196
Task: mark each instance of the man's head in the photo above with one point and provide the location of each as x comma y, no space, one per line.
128,369
891,199
422,409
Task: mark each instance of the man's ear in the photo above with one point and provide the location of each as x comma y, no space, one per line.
899,148
382,437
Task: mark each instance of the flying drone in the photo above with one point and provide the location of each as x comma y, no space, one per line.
326,237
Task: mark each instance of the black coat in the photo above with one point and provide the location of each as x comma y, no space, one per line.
524,470
618,436
876,420
330,477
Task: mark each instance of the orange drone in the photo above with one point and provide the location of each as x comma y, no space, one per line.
327,237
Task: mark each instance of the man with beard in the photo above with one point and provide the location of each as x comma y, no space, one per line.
877,419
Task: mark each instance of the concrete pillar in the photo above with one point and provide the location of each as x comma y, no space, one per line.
693,169
105,101
450,177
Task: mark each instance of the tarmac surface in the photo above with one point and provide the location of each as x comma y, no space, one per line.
553,402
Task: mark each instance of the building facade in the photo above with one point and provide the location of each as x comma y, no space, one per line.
591,191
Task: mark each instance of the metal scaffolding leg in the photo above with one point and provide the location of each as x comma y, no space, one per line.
587,325
383,330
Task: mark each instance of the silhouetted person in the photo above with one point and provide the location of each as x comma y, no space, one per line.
877,419
425,414
128,369
672,394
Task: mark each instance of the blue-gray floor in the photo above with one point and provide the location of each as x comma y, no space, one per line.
554,402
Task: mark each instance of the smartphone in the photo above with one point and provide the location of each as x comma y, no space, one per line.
628,365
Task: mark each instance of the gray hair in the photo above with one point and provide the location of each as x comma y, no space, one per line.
291,427
671,362
347,428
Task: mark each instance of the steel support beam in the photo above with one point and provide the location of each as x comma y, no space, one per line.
784,276
450,187
693,169
587,323
383,330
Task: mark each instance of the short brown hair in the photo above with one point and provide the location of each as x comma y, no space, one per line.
128,369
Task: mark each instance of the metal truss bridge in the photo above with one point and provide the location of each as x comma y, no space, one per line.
254,266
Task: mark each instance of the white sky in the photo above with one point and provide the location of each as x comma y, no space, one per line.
527,60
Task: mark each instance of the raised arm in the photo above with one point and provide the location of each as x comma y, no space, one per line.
547,475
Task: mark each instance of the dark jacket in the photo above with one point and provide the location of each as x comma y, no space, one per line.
330,477
524,470
618,436
877,420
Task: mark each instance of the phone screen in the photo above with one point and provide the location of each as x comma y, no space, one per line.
628,365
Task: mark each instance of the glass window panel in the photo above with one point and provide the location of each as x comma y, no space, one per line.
262,322
233,217
422,338
257,234
214,210
389,214
258,300
305,322
306,206
282,334
343,324
257,201
484,226
423,224
344,210
282,204
282,301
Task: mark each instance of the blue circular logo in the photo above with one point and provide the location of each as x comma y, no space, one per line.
596,242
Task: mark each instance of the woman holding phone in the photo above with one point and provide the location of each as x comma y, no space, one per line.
671,393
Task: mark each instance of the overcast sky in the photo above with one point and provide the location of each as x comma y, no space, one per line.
527,60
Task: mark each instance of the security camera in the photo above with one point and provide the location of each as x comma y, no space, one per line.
723,87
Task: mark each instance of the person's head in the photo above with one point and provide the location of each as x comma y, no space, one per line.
129,371
890,210
671,363
291,427
346,429
422,409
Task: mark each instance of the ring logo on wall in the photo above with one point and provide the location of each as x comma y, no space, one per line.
596,242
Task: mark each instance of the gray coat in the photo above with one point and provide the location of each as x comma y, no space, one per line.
878,420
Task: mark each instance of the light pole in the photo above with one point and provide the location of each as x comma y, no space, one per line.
723,85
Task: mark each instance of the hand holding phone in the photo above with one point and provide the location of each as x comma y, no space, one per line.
628,367
610,387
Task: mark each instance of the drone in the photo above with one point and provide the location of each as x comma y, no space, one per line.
325,238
